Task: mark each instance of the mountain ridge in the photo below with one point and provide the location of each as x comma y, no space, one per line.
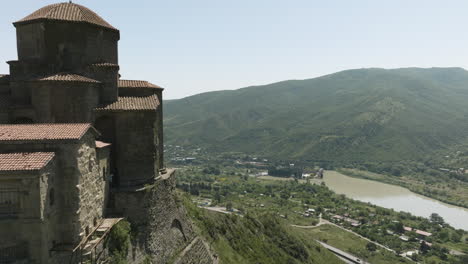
350,116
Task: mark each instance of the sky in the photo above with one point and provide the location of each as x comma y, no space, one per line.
195,46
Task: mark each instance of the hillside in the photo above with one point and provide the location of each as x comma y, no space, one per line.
354,115
259,239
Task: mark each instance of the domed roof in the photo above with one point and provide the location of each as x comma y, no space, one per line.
70,12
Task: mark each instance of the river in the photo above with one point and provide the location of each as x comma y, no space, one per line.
395,197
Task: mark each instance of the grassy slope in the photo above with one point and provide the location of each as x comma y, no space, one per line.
351,243
259,239
367,114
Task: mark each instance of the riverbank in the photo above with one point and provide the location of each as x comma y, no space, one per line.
454,192
395,197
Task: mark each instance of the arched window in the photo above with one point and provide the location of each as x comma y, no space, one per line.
176,226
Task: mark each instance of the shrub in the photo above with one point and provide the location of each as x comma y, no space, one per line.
118,242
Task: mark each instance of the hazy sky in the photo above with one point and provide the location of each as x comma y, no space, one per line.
194,46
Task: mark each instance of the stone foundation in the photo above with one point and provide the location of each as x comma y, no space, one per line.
197,252
160,220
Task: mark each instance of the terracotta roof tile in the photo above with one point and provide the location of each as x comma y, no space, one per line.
25,161
105,64
137,84
67,77
41,132
132,104
100,144
67,12
423,233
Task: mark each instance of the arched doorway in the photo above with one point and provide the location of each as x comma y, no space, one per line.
176,228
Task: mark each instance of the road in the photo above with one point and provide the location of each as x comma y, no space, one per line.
218,209
326,222
340,253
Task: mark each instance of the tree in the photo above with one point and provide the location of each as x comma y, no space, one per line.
229,206
456,237
424,247
399,228
285,195
443,235
371,247
436,218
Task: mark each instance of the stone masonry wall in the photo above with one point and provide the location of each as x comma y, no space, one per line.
196,253
169,229
135,147
33,227
91,186
78,177
160,220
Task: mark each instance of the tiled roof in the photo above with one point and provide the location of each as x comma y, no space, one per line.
137,84
25,161
67,77
100,144
67,12
41,132
105,64
423,233
132,104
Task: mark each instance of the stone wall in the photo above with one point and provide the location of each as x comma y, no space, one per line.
197,252
103,155
169,229
52,47
64,102
91,186
108,76
135,147
79,191
33,228
160,220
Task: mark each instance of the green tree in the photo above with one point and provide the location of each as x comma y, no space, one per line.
371,247
436,218
424,247
229,206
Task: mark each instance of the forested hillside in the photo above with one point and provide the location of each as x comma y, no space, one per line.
349,116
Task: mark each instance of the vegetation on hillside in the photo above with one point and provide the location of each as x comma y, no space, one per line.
289,202
255,239
406,124
346,117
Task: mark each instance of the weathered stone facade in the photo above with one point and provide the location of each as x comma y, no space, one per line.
78,145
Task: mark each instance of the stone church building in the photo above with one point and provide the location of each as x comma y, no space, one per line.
80,148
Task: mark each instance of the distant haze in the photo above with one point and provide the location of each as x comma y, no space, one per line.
190,46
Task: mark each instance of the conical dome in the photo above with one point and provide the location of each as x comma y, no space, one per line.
70,12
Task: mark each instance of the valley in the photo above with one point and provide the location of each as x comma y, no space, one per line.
256,152
308,209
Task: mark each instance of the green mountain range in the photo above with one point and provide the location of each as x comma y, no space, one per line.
349,116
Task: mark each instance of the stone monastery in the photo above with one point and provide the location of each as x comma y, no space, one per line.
80,148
